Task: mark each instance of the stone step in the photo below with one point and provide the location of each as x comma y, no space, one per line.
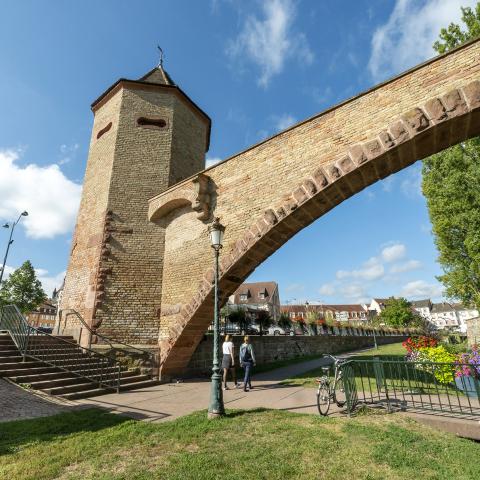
11,359
9,353
94,392
7,369
40,383
102,391
78,386
38,375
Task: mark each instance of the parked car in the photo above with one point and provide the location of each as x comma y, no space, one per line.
45,329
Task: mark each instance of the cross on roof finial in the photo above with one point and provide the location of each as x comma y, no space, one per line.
160,62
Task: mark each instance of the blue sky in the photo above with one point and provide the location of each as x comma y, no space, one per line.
255,67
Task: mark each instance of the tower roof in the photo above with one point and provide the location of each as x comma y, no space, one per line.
155,79
159,76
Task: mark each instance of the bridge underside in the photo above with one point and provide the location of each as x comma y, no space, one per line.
273,190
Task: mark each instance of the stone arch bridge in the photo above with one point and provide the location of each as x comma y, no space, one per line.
267,193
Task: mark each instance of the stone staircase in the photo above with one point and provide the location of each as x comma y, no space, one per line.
58,366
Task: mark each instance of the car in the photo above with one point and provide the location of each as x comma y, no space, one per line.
45,329
277,330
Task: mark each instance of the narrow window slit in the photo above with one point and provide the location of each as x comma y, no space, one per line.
151,122
104,130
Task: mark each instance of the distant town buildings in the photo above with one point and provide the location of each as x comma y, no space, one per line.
44,315
255,297
341,313
443,315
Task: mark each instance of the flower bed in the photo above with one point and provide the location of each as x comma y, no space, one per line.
462,369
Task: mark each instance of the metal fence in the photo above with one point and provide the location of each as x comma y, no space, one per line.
58,352
426,387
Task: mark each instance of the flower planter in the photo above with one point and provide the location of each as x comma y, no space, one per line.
468,385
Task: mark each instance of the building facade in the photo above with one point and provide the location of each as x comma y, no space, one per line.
340,313
43,316
259,296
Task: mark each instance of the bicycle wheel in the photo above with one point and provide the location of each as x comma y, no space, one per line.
339,394
323,399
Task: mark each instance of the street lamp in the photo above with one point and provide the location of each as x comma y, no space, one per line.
216,408
10,241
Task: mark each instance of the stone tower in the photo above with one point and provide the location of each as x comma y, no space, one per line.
147,135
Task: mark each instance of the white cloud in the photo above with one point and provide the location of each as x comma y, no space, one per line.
387,183
355,292
372,270
51,282
407,37
50,198
327,289
394,252
68,153
421,289
212,161
269,42
284,121
412,184
406,266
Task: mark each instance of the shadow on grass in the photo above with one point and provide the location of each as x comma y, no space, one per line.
241,413
16,433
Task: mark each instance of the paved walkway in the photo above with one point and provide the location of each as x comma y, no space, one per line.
173,400
19,404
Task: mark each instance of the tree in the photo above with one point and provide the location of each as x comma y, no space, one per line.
239,317
23,289
450,185
398,313
311,320
264,320
284,321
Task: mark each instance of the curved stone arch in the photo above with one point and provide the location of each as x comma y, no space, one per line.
198,193
424,130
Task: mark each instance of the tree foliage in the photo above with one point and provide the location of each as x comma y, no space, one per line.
454,35
264,320
284,321
398,313
450,185
23,289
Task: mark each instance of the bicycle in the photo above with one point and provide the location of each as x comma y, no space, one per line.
328,391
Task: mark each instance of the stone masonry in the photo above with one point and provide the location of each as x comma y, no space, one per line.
147,135
157,281
270,349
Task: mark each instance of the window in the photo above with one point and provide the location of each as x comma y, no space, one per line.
104,130
261,295
154,123
243,297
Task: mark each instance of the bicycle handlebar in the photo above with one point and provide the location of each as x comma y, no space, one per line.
335,359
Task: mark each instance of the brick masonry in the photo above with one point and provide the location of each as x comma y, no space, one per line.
473,331
157,280
270,349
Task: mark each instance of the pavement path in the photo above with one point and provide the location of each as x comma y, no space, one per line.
173,400
17,403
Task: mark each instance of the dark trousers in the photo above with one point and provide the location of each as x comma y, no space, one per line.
247,380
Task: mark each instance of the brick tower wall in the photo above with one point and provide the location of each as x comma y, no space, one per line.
114,278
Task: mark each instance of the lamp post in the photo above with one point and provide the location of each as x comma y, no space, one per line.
370,320
216,408
10,241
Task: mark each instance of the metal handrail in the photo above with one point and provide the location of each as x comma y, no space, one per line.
111,342
103,370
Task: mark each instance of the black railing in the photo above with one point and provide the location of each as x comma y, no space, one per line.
449,389
136,357
58,352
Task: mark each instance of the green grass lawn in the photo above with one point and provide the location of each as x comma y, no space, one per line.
257,444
